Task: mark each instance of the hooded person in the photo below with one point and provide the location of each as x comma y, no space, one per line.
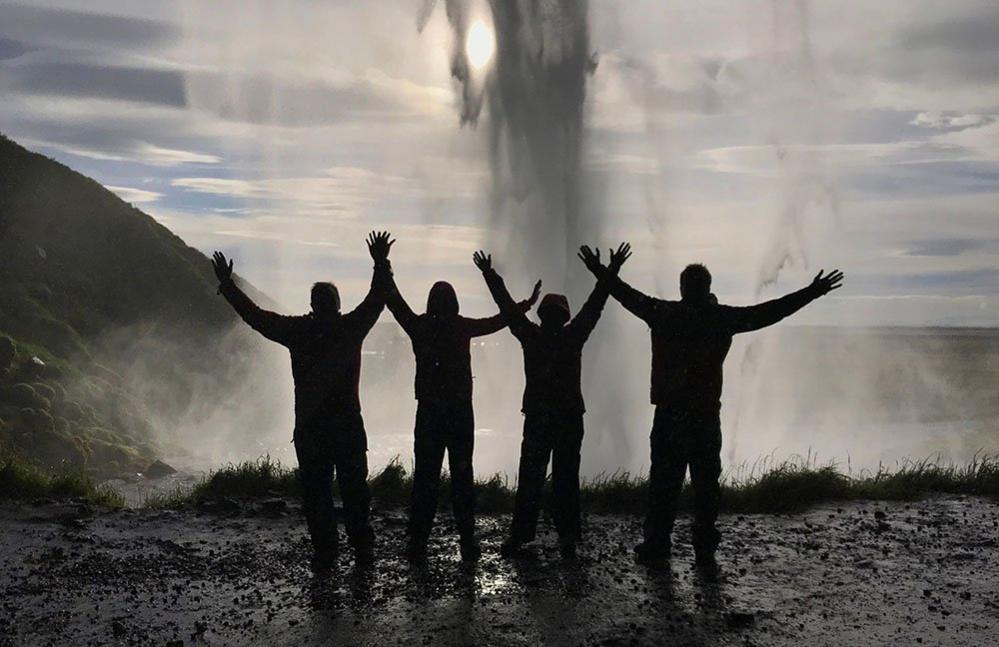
325,347
441,340
690,339
552,405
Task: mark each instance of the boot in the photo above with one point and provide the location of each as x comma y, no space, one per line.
470,550
646,553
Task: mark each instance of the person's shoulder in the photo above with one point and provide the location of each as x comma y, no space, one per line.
665,307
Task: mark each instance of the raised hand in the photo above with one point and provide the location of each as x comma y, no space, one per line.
591,259
379,245
825,284
618,258
534,295
484,261
223,269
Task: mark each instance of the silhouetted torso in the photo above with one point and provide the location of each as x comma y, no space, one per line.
443,356
325,355
689,345
552,356
690,340
441,341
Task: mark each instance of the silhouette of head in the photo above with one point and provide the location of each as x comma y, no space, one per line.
695,283
554,310
442,302
325,300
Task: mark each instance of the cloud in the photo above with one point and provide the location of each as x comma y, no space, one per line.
944,246
941,120
137,152
55,27
956,45
10,48
309,101
135,196
64,78
340,192
978,143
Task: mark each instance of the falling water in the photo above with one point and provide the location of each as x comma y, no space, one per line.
793,104
535,94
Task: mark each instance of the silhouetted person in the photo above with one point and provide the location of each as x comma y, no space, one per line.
690,339
329,435
444,420
553,402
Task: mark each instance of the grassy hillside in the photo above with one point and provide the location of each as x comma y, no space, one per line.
90,285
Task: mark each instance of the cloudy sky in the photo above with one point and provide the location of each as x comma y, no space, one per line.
851,133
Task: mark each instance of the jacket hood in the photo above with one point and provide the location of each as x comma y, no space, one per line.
442,302
557,302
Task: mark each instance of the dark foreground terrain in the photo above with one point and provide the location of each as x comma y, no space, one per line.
850,574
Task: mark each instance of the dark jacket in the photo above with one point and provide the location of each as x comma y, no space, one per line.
690,340
552,358
325,358
441,341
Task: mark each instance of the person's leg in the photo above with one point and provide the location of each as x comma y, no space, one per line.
351,449
315,472
428,448
705,470
565,482
534,451
461,443
668,467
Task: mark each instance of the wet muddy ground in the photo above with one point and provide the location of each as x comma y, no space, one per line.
848,574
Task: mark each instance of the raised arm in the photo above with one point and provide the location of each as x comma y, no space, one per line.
366,313
489,325
519,324
273,326
586,320
749,318
397,305
641,305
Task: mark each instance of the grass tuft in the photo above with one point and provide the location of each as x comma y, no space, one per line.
764,487
21,479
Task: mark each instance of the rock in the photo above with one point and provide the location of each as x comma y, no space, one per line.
35,367
158,469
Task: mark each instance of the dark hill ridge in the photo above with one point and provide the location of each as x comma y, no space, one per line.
95,288
103,261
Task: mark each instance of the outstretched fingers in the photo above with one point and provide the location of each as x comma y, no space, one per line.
828,282
619,256
834,279
482,260
535,293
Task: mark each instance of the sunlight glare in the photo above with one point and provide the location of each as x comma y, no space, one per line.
479,44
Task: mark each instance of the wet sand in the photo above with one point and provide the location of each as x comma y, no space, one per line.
848,574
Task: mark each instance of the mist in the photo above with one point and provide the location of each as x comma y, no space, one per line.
572,134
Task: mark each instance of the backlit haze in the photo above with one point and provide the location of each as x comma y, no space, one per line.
764,139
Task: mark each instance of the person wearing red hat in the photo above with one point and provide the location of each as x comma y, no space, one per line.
444,420
553,401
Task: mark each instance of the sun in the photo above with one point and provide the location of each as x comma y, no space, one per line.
479,45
